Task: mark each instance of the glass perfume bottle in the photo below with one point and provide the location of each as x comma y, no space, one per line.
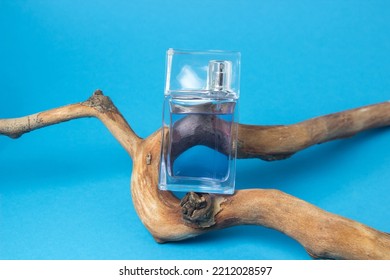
198,151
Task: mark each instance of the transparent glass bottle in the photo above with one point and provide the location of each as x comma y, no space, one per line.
198,151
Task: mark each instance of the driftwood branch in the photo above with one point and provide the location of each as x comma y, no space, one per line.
98,106
323,235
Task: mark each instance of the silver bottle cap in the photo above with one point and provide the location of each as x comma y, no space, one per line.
219,75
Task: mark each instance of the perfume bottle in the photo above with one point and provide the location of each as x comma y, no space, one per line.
198,151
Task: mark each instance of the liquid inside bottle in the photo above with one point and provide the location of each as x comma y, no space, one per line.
199,154
208,126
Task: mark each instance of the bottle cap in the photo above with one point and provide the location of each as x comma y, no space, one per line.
219,75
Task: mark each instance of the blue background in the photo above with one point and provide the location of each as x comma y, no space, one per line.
64,190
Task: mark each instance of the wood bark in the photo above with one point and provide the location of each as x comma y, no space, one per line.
323,234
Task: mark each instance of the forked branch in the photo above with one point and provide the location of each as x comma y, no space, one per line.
324,235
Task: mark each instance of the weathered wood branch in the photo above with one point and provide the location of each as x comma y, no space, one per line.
98,106
282,141
324,235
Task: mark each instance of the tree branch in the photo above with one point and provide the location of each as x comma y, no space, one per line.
279,142
324,235
98,106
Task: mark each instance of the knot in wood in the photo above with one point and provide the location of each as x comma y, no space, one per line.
100,102
197,210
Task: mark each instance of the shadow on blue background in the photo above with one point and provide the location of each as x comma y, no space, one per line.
64,190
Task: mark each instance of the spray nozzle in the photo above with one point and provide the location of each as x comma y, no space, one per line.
219,75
